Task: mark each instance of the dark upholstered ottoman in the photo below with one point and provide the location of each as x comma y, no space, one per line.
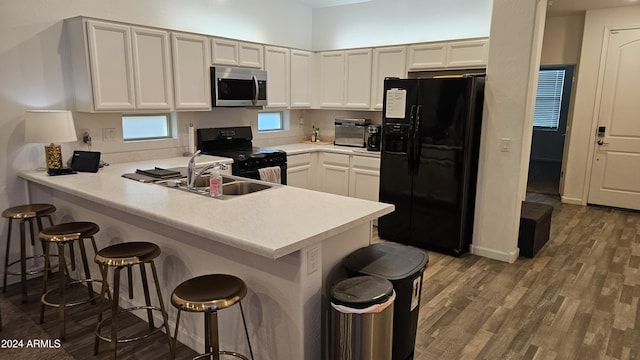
535,222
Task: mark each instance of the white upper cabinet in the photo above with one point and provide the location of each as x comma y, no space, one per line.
427,56
445,55
345,79
472,53
332,79
236,53
301,70
191,71
278,70
358,79
387,62
111,66
152,69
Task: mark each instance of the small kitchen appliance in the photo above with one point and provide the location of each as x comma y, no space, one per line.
236,143
242,87
351,132
373,142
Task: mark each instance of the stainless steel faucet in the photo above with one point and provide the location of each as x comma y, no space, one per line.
193,174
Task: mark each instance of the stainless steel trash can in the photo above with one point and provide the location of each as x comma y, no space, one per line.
362,319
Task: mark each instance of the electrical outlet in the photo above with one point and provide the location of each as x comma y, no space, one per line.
108,134
312,260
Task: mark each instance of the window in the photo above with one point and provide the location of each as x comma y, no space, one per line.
146,127
269,121
549,98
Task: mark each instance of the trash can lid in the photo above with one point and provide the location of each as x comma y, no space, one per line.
361,291
390,261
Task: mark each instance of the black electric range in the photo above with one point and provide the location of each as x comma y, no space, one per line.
237,143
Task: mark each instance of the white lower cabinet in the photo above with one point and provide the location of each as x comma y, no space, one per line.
349,175
334,173
300,170
364,177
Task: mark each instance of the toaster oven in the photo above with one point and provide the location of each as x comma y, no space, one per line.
351,132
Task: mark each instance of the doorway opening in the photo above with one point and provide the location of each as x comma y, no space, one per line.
549,129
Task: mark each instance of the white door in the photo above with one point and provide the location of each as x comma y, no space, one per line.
615,174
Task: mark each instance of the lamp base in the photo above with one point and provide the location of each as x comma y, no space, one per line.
53,156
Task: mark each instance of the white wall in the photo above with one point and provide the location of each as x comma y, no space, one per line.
385,22
583,123
562,40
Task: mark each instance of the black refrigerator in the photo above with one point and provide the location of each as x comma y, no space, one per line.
429,160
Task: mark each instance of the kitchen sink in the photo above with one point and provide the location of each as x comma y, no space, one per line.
232,186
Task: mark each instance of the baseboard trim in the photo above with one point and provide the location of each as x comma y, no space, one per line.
572,201
509,257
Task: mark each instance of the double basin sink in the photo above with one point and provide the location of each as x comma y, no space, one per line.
232,186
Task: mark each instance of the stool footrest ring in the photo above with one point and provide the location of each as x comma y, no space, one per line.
230,353
130,339
29,272
95,297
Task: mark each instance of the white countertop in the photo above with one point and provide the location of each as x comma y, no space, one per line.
271,223
293,149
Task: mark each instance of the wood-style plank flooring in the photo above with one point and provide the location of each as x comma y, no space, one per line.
577,299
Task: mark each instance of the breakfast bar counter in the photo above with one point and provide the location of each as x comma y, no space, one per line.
284,242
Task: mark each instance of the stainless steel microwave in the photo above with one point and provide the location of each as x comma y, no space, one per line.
238,87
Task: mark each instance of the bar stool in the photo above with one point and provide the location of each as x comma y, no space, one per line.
61,235
26,214
208,294
118,257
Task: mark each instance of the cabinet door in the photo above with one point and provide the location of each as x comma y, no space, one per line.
332,79
301,65
467,54
427,56
334,173
111,66
387,62
191,72
300,170
277,66
152,69
364,179
358,79
250,55
224,52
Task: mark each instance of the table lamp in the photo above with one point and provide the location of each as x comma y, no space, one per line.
50,126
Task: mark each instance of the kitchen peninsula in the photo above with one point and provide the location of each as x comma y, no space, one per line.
284,242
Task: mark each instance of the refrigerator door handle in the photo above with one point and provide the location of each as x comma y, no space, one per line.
416,138
411,139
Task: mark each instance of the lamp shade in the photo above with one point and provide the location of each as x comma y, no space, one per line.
49,126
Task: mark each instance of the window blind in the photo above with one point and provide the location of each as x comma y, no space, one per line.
548,98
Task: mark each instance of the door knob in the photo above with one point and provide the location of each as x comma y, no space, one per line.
600,142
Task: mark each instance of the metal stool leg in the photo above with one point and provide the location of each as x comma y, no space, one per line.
6,257
163,310
103,289
85,265
211,344
23,262
147,297
61,280
246,330
175,336
114,311
47,265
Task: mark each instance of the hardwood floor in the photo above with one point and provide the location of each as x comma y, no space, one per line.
577,299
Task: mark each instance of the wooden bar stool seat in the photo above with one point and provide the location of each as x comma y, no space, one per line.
118,257
208,294
25,214
62,235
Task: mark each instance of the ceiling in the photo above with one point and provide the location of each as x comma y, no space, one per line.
556,7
